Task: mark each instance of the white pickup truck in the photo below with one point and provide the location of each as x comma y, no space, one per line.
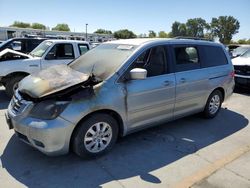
48,53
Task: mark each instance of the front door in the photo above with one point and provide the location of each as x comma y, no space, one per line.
152,99
59,54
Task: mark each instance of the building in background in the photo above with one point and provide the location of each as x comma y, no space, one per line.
11,32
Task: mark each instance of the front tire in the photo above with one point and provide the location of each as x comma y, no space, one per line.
12,84
95,136
213,104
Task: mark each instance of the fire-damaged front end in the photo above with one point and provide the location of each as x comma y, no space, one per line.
49,106
35,110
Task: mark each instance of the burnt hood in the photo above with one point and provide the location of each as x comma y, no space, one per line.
51,80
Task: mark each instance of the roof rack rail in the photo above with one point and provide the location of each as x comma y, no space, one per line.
194,38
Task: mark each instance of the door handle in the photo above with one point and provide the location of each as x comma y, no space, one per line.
166,83
182,80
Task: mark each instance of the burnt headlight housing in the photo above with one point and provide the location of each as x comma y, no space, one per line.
48,109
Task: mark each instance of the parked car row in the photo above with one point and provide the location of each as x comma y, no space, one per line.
48,53
116,88
24,45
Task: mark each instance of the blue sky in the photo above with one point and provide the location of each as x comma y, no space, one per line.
136,15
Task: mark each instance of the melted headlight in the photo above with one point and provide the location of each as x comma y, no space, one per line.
48,109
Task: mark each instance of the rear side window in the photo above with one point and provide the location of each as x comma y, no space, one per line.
186,55
186,58
213,56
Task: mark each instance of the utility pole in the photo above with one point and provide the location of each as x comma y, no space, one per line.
86,32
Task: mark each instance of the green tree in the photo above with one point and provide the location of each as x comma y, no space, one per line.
209,35
224,27
103,31
182,30
162,34
151,34
178,29
195,27
61,27
20,24
175,29
124,34
243,41
38,26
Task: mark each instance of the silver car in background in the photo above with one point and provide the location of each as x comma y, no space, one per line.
118,88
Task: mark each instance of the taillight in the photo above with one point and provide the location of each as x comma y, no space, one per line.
232,74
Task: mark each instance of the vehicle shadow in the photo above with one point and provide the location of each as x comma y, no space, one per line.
4,100
135,155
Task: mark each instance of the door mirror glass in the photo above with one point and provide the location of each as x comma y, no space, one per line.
50,56
138,74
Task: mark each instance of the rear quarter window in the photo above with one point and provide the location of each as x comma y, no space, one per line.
213,56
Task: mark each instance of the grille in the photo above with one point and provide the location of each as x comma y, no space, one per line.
242,70
17,104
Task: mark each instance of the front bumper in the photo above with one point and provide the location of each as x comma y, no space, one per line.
242,81
51,137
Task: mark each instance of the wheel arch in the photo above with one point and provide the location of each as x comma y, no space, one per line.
113,113
221,89
8,76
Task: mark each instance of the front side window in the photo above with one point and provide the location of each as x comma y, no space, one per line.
61,51
186,55
153,60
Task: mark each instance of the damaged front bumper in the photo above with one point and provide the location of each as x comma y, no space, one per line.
51,137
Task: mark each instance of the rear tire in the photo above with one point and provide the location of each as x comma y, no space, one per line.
12,84
95,136
213,104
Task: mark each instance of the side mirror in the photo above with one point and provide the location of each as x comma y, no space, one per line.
138,74
50,56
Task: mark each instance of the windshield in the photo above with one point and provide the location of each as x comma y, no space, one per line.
240,50
246,54
41,49
103,60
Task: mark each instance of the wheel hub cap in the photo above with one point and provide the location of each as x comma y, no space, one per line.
214,104
98,137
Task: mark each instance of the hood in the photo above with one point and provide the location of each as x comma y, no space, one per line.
51,80
241,61
13,52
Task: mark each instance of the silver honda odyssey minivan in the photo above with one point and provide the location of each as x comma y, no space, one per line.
117,88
